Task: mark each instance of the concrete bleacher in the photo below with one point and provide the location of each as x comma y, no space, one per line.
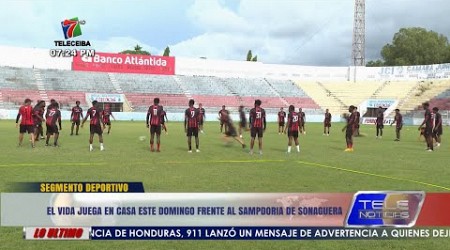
66,80
286,88
17,78
352,93
321,97
424,91
143,83
245,87
204,85
141,101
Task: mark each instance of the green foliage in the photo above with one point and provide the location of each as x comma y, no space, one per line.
137,51
416,46
166,51
377,63
255,59
249,55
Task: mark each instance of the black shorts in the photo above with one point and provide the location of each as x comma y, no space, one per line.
192,132
292,133
200,122
108,122
357,125
231,132
302,124
428,131
399,127
380,126
96,129
281,124
26,129
221,123
155,129
243,124
437,132
349,132
327,124
76,122
256,131
52,129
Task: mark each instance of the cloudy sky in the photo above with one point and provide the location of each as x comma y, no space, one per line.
304,32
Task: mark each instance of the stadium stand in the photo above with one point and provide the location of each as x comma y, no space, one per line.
352,93
320,96
424,91
65,80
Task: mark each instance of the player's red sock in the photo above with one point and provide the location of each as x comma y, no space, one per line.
351,145
158,146
151,147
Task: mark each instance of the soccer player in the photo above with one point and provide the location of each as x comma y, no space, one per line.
95,115
357,121
52,101
349,128
428,121
231,132
164,119
76,116
437,131
327,123
106,118
202,117
242,121
26,123
191,125
398,120
257,125
281,116
379,122
292,127
302,118
38,118
154,115
53,115
222,113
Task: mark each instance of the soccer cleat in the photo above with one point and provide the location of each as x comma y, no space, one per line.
42,138
323,133
430,150
260,152
190,151
91,148
201,131
251,152
102,148
71,134
438,144
158,151
243,146
348,150
397,140
46,144
198,150
240,136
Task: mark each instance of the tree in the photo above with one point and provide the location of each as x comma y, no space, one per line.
255,58
167,51
137,51
416,46
249,55
377,63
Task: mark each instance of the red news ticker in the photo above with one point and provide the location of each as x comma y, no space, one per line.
58,233
435,210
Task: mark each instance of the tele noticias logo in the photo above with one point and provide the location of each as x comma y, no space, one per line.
72,27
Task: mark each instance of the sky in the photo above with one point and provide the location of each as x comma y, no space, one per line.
300,32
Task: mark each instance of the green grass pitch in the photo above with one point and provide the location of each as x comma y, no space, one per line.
322,166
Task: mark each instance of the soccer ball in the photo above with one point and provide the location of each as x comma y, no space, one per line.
142,138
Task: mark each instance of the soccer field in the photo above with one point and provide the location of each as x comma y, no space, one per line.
322,166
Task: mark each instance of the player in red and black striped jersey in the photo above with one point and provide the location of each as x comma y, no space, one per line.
379,122
398,120
222,114
302,118
202,117
349,128
242,121
38,113
164,120
75,117
437,131
257,125
107,114
292,127
357,121
428,121
191,125
53,117
95,115
231,132
281,117
153,121
327,123
26,123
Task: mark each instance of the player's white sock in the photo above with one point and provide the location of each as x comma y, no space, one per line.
298,148
91,147
289,149
101,147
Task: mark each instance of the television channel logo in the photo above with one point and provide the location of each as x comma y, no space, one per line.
385,209
72,27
